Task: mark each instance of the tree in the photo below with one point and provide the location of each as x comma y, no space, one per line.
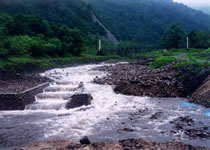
173,36
78,42
58,44
192,39
199,39
18,45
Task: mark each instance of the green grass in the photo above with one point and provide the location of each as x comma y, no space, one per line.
163,57
172,52
192,65
162,61
196,57
27,64
150,54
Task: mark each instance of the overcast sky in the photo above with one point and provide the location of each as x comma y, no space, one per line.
195,3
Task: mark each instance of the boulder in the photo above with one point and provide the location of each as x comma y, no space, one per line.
79,100
85,140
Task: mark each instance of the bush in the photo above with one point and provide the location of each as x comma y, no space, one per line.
162,61
192,66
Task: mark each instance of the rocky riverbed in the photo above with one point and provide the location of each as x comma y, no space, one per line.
130,144
110,117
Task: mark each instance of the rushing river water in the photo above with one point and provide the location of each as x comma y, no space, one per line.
110,117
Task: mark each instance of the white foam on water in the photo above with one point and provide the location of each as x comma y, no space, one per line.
105,101
74,123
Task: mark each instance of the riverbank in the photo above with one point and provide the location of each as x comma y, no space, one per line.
20,82
36,65
139,79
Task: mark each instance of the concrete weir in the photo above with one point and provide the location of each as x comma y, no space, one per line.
18,101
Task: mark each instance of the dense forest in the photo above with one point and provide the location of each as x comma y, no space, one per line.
73,13
145,21
23,35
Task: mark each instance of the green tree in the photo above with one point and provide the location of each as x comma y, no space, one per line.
173,36
126,48
199,39
58,44
78,42
192,39
18,45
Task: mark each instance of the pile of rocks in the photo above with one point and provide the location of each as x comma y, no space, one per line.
187,126
139,80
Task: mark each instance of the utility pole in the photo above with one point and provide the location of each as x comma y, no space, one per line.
99,46
187,42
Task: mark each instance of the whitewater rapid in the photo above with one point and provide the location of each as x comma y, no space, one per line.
48,119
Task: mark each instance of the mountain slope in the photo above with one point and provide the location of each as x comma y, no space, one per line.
146,20
205,9
109,36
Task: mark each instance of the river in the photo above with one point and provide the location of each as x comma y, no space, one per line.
110,117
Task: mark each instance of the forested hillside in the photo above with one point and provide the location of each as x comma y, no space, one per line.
140,21
74,13
62,28
145,21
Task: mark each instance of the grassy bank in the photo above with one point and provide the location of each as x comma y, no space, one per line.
196,57
189,53
30,64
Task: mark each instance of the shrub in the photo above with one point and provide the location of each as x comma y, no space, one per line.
162,61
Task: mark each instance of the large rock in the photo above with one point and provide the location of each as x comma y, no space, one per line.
202,94
85,140
79,100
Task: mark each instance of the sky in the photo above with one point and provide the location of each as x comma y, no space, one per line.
195,3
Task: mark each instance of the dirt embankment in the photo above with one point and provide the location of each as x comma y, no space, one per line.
139,80
130,144
20,82
202,94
